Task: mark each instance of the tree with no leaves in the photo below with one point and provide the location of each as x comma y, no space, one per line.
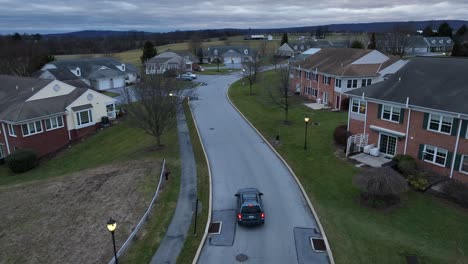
279,91
381,184
396,42
251,69
153,104
372,43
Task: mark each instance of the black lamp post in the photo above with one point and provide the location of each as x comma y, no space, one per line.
111,226
306,120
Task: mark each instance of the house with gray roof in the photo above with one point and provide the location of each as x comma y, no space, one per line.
171,60
293,48
229,54
99,73
425,46
46,114
327,73
421,111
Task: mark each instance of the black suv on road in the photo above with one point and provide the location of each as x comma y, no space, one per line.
250,207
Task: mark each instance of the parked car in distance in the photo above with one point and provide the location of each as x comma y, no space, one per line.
250,207
190,74
184,77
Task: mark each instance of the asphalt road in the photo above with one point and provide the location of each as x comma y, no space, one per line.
239,158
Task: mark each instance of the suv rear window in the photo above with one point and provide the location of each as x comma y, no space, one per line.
251,209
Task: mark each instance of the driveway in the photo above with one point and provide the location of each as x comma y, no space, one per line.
239,158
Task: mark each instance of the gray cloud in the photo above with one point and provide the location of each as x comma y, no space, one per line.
167,15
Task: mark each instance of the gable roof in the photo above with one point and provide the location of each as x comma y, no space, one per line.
339,61
219,50
429,82
172,56
90,67
14,91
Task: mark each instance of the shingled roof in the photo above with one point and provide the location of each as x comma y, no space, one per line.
429,82
14,91
90,67
339,61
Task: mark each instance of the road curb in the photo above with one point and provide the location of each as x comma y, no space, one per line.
210,200
311,207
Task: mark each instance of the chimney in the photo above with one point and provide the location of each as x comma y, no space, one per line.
32,89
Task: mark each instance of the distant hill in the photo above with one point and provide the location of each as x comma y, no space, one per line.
352,27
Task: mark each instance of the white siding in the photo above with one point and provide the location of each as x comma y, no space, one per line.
53,89
99,102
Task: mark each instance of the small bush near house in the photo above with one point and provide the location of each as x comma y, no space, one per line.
406,165
381,186
456,191
21,160
418,183
341,135
170,73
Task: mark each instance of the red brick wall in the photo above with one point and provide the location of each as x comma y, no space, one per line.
320,85
417,135
77,134
43,143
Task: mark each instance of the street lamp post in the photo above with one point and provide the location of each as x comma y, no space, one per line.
306,120
111,226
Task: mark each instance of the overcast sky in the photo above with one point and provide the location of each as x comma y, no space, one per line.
44,16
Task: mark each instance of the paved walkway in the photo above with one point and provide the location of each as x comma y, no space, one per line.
173,241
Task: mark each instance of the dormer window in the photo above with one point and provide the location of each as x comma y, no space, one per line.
103,68
123,67
78,72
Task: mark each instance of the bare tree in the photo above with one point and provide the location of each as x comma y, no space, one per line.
398,42
279,91
252,66
153,104
195,44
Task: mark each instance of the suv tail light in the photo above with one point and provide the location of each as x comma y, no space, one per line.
262,215
239,216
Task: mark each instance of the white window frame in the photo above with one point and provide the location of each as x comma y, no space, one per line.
462,159
52,127
78,118
37,128
315,76
11,130
391,114
326,79
351,83
435,155
360,104
2,151
366,82
338,83
440,122
307,75
314,92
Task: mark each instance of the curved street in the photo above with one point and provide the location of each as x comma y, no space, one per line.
239,158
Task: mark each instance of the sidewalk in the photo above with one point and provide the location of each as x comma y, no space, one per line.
173,241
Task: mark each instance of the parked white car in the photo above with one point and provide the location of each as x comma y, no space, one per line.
189,74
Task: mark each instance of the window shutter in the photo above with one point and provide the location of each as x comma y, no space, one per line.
463,129
379,111
457,162
420,153
402,115
448,161
455,126
426,119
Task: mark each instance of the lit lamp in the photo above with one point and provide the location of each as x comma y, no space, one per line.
111,226
306,121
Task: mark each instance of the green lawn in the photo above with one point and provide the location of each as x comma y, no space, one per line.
120,142
111,94
433,229
193,241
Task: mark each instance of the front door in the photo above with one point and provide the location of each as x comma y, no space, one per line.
387,144
337,102
325,98
2,151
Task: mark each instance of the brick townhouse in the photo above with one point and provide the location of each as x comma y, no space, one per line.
45,115
326,75
420,111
